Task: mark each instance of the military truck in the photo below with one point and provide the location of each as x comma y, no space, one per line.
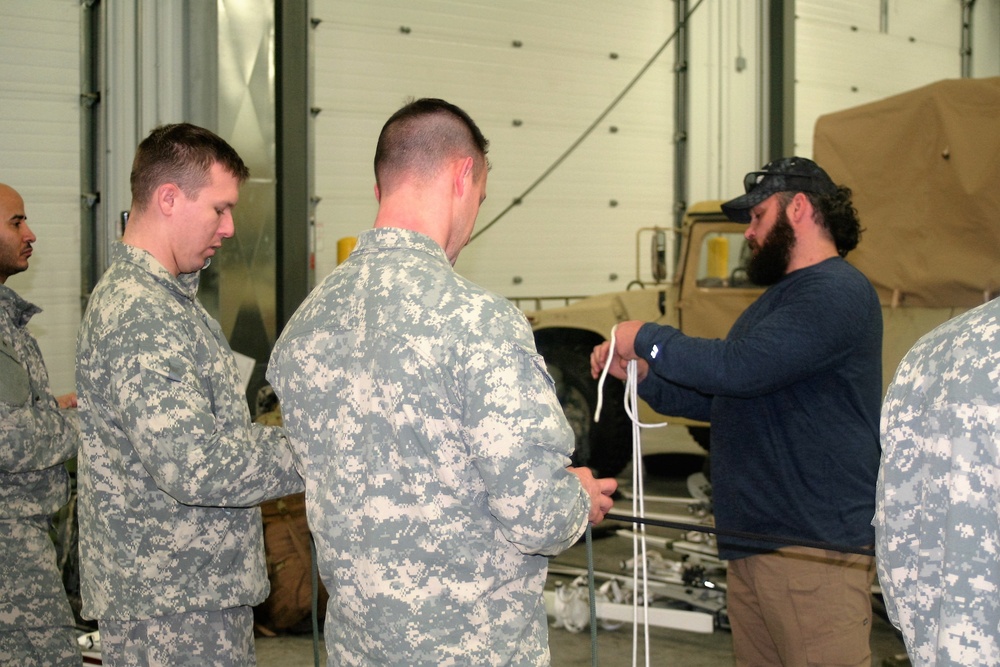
924,167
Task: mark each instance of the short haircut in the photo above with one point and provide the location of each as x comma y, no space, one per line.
182,154
834,212
422,136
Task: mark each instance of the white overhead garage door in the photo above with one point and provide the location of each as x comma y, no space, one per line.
39,146
534,76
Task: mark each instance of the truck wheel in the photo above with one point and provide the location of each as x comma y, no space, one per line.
605,446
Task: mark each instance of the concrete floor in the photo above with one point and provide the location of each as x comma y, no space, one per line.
667,647
615,647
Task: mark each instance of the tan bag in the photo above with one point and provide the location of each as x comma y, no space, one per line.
289,565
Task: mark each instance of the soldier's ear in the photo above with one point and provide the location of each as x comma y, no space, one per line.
166,197
464,172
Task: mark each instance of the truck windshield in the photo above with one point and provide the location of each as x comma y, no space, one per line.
723,260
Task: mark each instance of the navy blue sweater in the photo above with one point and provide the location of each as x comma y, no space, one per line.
793,395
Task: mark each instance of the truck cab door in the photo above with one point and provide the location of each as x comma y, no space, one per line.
714,288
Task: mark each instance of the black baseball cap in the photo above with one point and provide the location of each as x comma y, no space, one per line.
789,174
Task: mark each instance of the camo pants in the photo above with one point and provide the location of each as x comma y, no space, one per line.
36,623
194,639
46,647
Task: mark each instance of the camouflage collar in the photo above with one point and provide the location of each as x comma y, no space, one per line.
389,238
17,309
185,285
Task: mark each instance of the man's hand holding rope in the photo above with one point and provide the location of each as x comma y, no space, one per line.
624,352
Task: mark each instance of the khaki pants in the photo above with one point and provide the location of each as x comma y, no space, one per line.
799,607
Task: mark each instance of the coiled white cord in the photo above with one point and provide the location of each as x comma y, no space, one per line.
631,389
638,502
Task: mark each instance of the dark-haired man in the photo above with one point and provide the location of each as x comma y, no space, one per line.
37,434
793,395
434,449
171,468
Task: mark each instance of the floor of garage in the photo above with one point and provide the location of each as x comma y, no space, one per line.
610,551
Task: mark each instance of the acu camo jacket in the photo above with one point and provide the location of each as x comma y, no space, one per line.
937,517
171,468
434,453
36,437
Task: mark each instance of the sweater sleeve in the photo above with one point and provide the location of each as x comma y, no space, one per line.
789,334
669,398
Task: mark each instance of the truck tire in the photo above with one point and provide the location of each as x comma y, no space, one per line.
605,446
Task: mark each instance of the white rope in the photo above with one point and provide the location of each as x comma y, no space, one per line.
638,502
638,537
631,385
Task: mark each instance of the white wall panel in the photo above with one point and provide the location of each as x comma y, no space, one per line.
726,98
864,15
532,101
927,21
40,145
843,58
986,38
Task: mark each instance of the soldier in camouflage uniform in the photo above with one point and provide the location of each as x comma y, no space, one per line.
171,468
36,436
938,498
433,447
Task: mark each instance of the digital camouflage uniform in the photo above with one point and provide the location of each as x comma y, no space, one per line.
434,453
936,520
36,437
171,468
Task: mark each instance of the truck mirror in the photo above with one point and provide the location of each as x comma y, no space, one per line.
658,263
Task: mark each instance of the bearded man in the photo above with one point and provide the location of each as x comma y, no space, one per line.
793,396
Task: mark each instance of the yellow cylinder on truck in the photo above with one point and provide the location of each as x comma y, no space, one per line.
718,257
344,247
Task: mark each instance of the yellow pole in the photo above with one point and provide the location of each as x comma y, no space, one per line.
344,248
718,257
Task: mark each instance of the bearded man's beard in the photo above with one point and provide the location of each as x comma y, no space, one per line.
771,260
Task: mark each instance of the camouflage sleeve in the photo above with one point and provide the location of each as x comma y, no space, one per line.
181,420
937,529
521,443
34,433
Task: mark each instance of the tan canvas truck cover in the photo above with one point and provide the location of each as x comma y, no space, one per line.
925,170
